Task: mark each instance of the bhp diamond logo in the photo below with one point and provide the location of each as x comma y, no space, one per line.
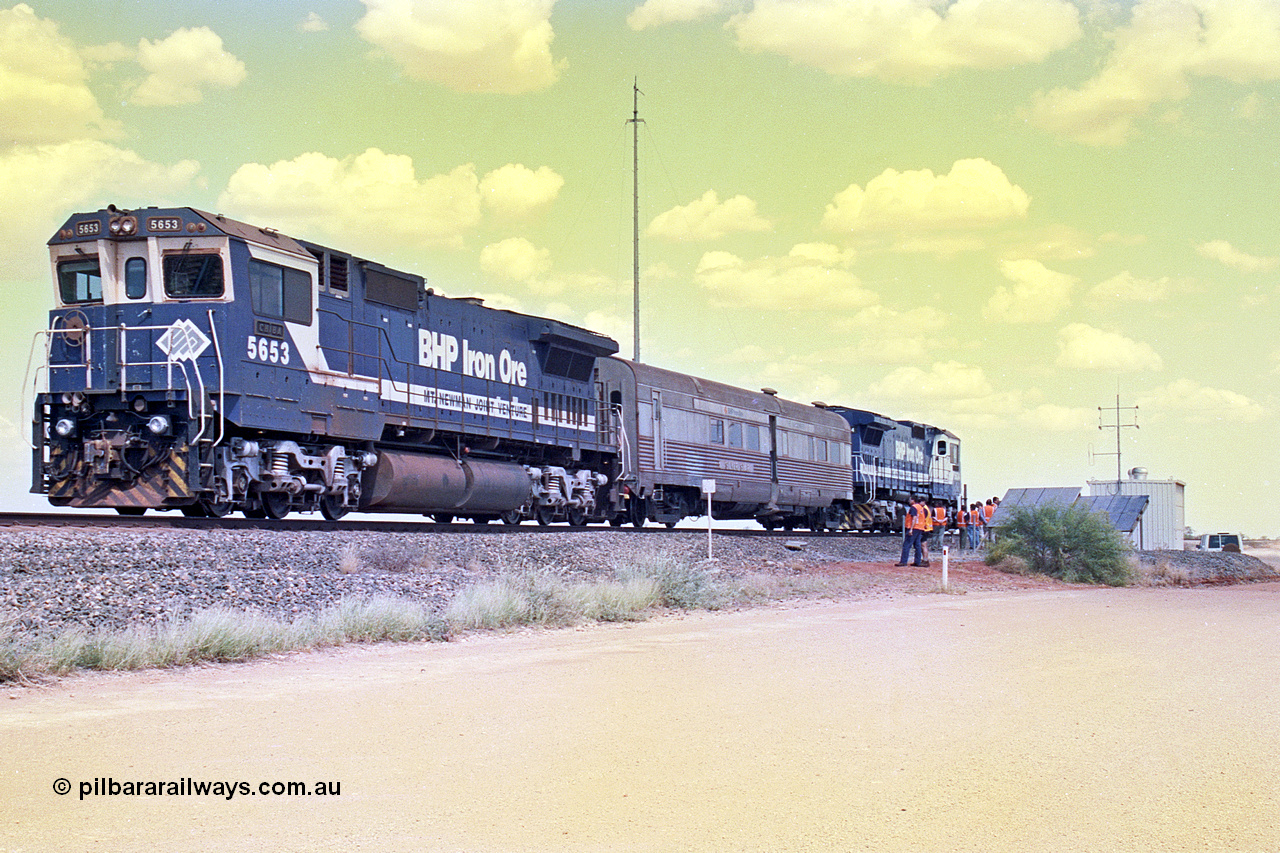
182,341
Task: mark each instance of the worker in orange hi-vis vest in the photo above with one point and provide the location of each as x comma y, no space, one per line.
910,535
962,525
988,510
976,525
924,525
939,524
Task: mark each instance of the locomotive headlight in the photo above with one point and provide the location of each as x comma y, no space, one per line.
158,425
65,427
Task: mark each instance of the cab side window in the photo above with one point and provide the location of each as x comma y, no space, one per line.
280,293
80,281
193,275
135,278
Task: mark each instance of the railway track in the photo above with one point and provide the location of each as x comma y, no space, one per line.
180,522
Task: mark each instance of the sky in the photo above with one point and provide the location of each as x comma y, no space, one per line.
996,216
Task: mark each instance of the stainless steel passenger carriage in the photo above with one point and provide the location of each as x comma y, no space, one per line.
773,460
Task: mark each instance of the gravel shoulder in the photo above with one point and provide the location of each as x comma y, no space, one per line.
58,578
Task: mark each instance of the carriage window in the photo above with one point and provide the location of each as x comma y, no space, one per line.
193,275
80,281
753,437
135,278
280,292
735,435
717,431
820,445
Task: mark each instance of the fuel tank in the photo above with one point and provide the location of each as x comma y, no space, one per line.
418,483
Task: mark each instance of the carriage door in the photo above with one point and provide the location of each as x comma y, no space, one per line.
658,455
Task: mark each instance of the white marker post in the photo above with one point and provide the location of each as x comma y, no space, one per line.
946,556
708,489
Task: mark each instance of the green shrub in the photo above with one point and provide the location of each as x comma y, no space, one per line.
1066,542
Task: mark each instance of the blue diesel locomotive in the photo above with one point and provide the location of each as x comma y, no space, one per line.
894,460
201,364
198,363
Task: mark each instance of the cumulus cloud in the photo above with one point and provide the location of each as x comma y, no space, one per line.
514,189
1163,45
883,335
53,180
1083,347
1224,252
1126,287
374,196
44,93
182,65
974,194
380,199
655,13
501,46
911,41
515,258
945,380
1196,403
797,279
708,218
1038,293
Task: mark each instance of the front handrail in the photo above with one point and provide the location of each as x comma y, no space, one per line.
192,384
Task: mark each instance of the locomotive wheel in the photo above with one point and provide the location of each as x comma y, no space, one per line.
443,518
216,509
544,515
577,517
275,504
331,507
617,520
639,512
195,510
512,518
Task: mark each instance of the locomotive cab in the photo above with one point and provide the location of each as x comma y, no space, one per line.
135,373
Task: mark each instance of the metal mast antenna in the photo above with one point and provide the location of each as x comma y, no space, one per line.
1118,427
634,121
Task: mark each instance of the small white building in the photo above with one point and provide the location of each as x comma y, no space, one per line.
1161,526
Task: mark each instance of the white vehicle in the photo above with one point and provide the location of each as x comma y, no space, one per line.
1220,542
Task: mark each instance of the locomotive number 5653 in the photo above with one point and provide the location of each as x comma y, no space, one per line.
266,349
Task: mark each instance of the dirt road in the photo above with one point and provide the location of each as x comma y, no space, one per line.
1041,720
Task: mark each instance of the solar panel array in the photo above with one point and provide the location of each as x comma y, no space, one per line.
1122,510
